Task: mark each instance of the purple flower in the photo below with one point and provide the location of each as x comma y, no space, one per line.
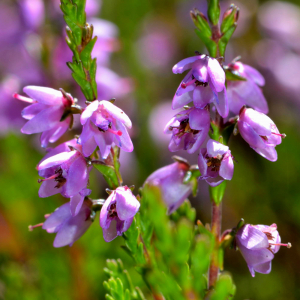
104,125
258,244
117,212
246,92
169,180
189,129
260,132
69,228
215,163
45,113
66,172
204,71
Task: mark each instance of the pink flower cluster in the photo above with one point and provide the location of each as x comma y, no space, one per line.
65,169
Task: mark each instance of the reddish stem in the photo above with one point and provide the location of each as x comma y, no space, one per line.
216,219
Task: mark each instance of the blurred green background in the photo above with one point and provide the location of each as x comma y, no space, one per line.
153,36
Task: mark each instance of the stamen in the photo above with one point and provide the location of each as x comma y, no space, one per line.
119,133
49,178
184,85
23,98
283,135
288,245
31,227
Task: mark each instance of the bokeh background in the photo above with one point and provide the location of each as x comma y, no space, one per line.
139,42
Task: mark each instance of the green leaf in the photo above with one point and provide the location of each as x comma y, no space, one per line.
233,76
230,18
213,11
201,23
85,54
131,237
225,39
208,42
217,192
224,289
108,173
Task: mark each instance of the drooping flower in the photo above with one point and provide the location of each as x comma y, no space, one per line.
117,212
189,129
215,163
65,172
104,125
246,92
69,228
258,244
48,113
260,132
169,180
203,84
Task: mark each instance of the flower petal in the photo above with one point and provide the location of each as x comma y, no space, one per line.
44,95
221,103
123,141
32,110
48,188
180,101
73,228
215,148
250,136
185,64
199,119
254,75
268,152
126,203
101,139
60,215
104,210
202,96
89,110
202,162
77,178
226,169
44,120
216,74
110,233
117,113
57,159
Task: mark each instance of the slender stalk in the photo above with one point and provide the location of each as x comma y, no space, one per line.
216,220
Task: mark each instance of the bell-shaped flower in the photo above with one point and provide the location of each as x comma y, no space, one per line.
260,132
246,92
169,180
258,244
104,125
65,172
48,113
117,212
215,163
203,84
189,129
69,228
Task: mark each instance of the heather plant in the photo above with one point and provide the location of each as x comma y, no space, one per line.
176,255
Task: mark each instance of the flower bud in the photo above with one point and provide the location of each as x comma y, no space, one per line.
169,180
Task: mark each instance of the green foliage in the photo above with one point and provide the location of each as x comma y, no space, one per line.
81,42
110,168
172,254
119,285
213,11
108,173
225,39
